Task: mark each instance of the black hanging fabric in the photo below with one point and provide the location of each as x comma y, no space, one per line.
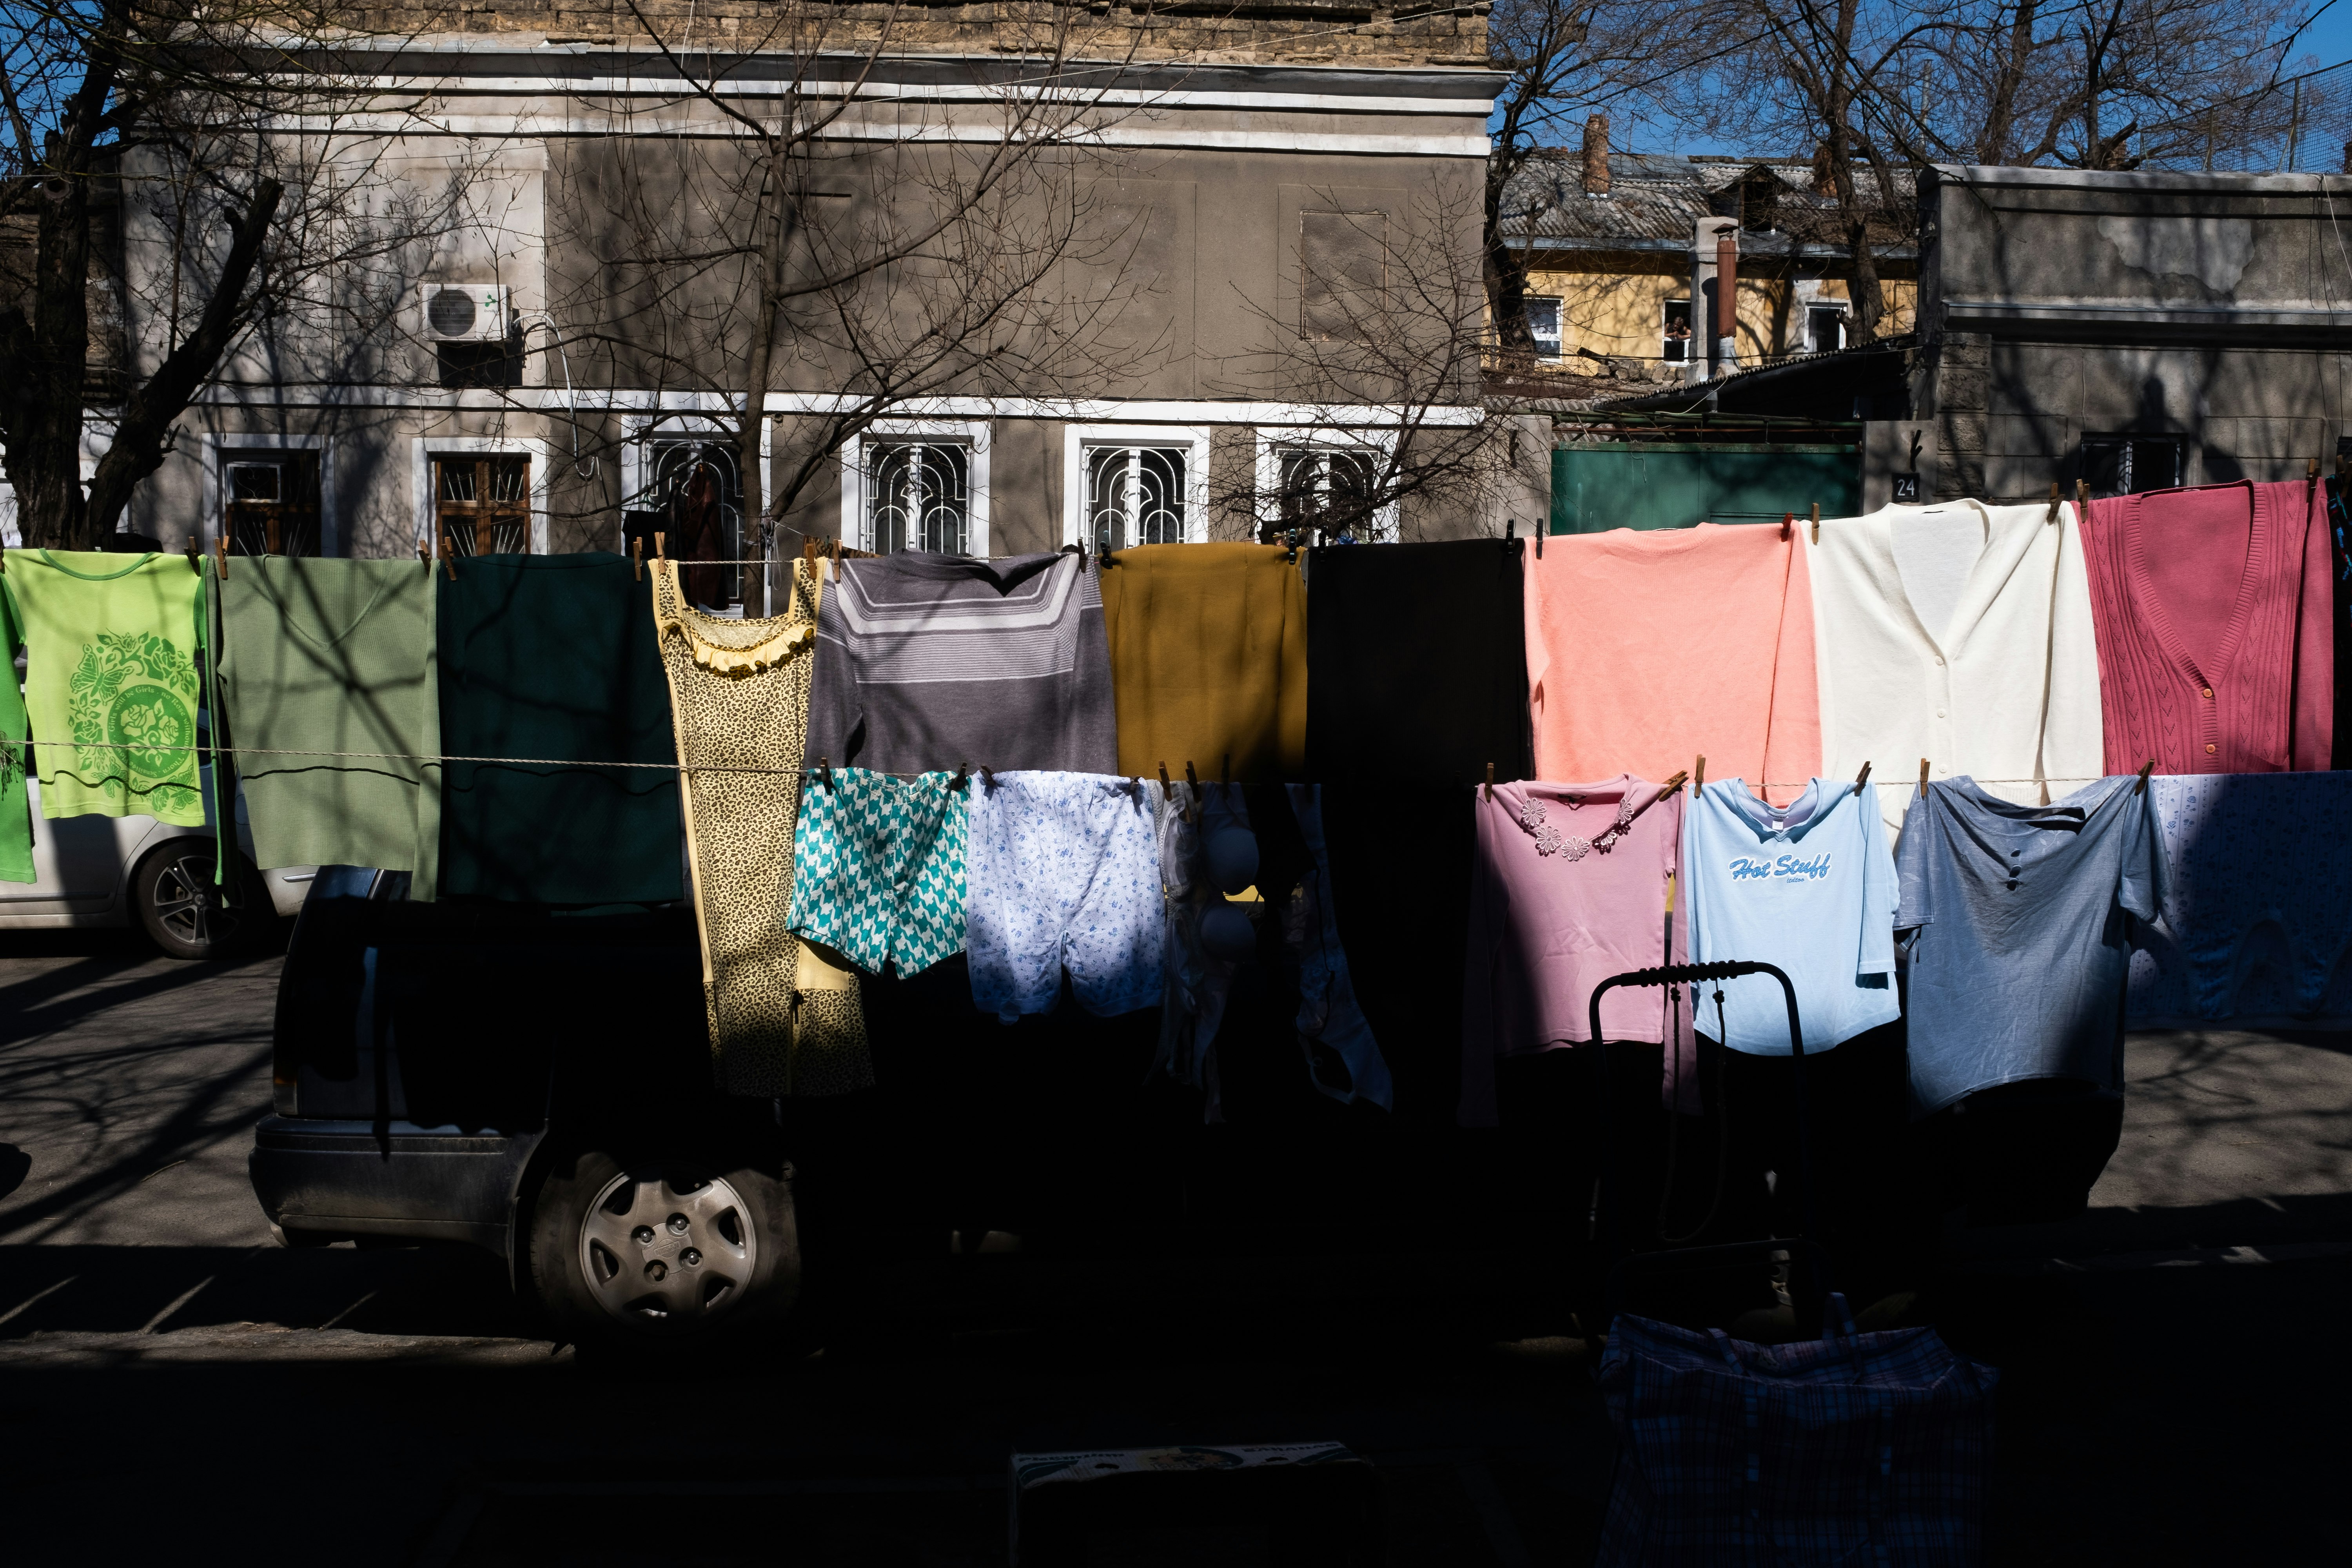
1401,862
1417,663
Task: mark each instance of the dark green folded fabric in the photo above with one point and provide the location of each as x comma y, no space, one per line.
555,657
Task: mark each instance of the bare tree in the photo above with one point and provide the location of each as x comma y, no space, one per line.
803,232
188,172
1561,57
1379,340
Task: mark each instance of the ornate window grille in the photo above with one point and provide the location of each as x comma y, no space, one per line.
918,496
1135,495
1328,492
670,462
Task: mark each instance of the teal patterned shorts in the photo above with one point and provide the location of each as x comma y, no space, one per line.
877,868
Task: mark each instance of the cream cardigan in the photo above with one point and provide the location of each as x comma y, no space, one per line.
2007,690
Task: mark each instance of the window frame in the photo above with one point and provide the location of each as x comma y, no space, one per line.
222,448
1559,303
1665,342
2128,440
1380,443
424,449
1829,308
974,435
1193,439
641,432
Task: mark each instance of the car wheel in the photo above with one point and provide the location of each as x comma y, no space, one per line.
647,1252
181,909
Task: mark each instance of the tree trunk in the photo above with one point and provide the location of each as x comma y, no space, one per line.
1869,299
1506,274
759,363
45,443
144,432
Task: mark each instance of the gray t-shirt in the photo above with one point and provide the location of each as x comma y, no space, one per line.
2017,967
928,661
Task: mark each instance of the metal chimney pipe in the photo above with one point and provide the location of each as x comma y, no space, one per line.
1596,155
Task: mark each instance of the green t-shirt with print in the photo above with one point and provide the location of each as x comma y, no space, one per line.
111,680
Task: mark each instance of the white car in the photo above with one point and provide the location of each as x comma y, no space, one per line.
112,870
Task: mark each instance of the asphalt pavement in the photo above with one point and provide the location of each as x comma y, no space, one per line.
174,1387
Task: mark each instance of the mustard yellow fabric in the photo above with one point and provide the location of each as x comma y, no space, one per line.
1208,658
781,1019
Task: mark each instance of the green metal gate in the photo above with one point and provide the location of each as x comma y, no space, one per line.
1602,485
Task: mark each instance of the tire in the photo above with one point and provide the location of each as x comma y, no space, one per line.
666,1250
183,913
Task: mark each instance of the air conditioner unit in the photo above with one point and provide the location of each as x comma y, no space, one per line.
465,312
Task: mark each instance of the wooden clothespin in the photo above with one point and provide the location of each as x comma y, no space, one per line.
1167,790
423,555
824,764
987,779
1923,778
1699,774
448,556
962,772
637,560
2082,500
2146,768
2054,503
1817,522
196,556
659,552
1862,778
1542,528
837,552
1787,519
220,543
1675,783
1490,781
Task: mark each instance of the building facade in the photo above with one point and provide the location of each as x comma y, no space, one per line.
1187,311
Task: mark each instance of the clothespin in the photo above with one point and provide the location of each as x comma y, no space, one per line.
1167,790
1817,522
1862,778
448,556
637,560
424,556
195,555
659,553
987,779
824,764
1923,778
837,552
962,772
1675,783
1510,528
2054,503
2082,500
1490,781
221,544
1786,519
1540,530
1699,774
2146,768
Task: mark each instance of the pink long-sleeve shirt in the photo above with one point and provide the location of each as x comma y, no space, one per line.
1562,898
2213,612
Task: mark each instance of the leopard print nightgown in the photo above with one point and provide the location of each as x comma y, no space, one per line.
784,1018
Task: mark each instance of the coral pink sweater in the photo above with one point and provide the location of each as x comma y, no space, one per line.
2212,610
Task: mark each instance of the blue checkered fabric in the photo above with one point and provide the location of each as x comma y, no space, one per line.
1853,1448
878,868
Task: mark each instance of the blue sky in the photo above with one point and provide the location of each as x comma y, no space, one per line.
2329,40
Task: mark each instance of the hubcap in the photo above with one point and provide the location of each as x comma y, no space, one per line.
188,905
666,1252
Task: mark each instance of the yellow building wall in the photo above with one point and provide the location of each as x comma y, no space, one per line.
1620,310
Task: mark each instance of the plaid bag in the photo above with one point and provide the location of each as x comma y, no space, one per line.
1851,1448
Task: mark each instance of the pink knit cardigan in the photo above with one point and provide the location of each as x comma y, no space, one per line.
2246,686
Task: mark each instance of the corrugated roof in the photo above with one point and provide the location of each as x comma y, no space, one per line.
1655,200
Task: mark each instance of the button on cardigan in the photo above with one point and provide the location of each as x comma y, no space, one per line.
1959,633
2216,643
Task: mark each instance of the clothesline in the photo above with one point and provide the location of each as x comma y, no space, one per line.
235,751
